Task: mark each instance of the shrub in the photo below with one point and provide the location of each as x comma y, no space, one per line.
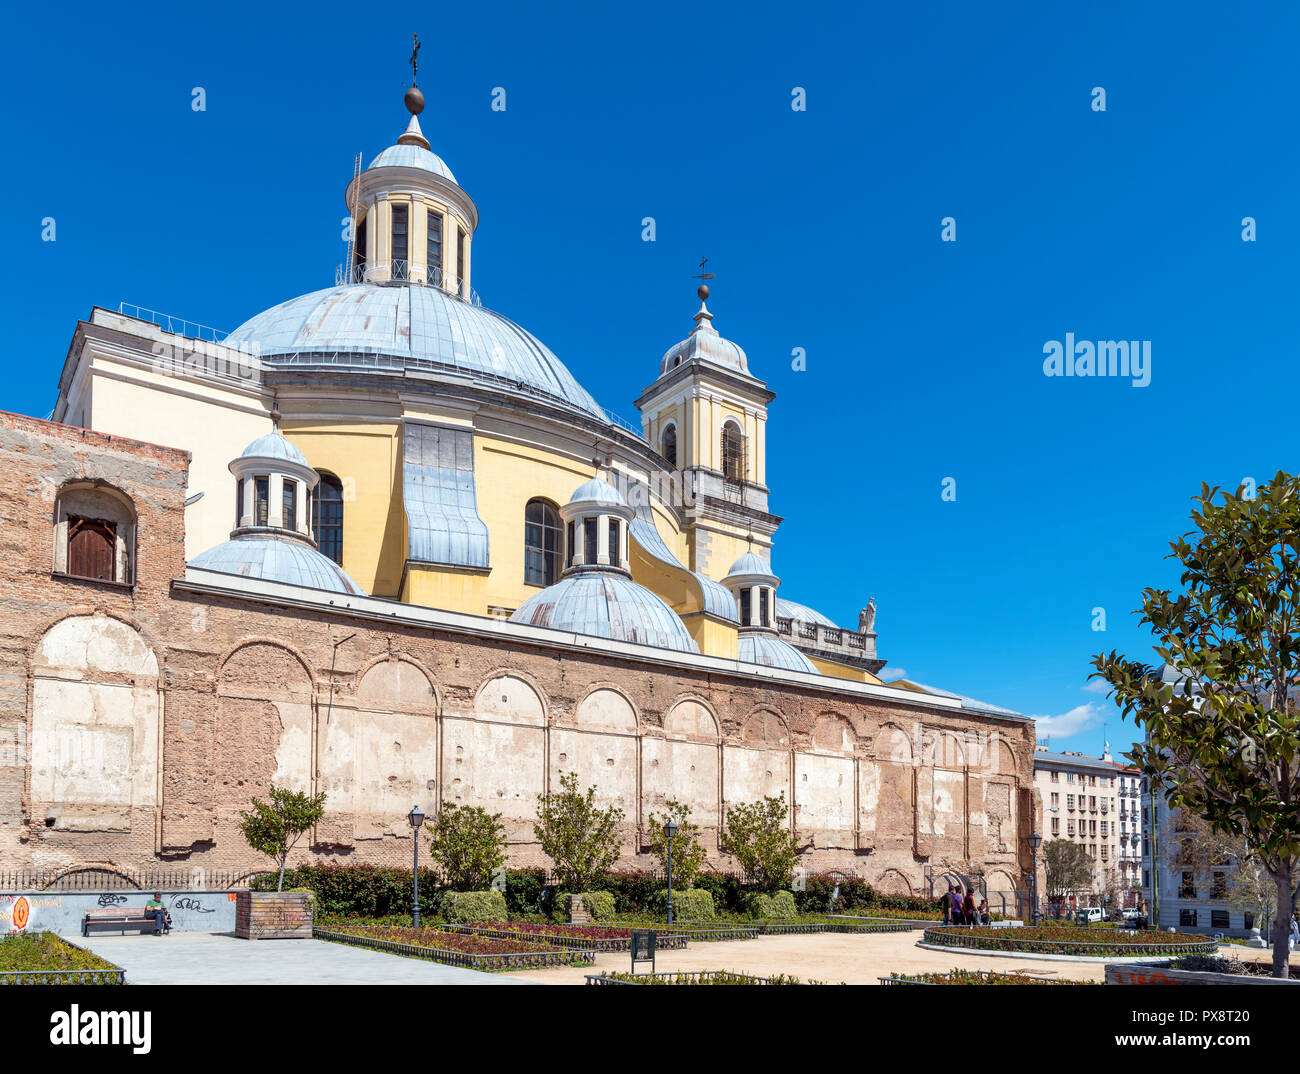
469,845
693,904
578,836
688,856
758,836
600,905
311,898
274,828
770,907
460,907
633,892
371,891
524,890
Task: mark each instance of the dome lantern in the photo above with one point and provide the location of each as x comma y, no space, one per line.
754,585
596,520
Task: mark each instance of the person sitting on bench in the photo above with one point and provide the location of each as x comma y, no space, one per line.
158,911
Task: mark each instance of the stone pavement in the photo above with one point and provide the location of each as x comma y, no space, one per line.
220,958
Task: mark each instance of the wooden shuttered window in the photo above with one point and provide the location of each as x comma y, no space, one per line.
92,549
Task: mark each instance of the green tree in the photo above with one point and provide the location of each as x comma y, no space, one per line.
1068,868
1207,851
758,836
688,856
1223,741
468,844
579,837
274,829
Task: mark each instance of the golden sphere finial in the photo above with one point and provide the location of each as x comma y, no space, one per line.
414,101
702,291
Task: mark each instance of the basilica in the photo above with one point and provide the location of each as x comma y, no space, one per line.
379,541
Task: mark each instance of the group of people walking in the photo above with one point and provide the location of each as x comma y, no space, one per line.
959,909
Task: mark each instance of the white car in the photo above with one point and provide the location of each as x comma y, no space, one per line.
1089,914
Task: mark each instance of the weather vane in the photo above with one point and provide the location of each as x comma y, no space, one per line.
704,275
415,59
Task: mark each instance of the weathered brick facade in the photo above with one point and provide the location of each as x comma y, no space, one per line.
136,720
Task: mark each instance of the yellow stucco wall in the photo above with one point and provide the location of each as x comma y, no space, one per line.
842,671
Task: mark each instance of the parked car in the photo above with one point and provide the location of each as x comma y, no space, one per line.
1088,914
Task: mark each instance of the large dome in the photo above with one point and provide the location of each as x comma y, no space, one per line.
606,605
368,326
772,652
413,156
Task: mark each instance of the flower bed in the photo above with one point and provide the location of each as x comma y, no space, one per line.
697,977
456,948
974,977
1066,940
574,937
44,958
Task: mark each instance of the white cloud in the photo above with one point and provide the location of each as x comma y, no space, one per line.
890,674
1096,686
1079,718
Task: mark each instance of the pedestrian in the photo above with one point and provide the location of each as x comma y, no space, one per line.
985,919
945,905
157,909
1143,918
969,910
1295,931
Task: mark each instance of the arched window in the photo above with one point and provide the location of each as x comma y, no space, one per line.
94,533
327,516
733,452
670,445
541,543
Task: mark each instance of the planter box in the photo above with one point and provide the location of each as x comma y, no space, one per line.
1162,973
272,915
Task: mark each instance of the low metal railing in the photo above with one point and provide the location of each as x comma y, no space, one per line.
105,878
666,940
682,977
958,936
531,959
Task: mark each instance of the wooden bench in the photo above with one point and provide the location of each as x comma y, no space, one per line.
119,919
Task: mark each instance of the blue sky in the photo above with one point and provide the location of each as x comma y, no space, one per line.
924,358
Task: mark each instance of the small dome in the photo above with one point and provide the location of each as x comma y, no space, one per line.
276,560
606,605
705,343
772,652
412,156
750,564
274,446
598,491
788,609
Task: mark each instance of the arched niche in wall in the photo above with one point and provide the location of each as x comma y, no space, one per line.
601,748
757,762
496,757
94,727
824,784
683,764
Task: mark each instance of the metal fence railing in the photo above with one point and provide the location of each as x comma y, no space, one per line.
106,878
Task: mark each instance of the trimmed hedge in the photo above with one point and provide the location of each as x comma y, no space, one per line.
462,907
600,905
772,907
694,904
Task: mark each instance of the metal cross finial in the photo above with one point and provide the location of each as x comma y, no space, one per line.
415,59
704,275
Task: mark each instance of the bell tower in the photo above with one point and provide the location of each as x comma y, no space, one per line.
706,415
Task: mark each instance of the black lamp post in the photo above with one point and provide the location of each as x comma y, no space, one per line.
670,833
1035,841
416,817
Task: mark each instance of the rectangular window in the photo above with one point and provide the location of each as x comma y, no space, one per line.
762,606
1069,829
1056,777
1219,888
1187,889
745,606
1146,878
289,502
1069,777
1103,829
359,252
1187,917
1219,919
1056,826
92,548
262,499
589,540
401,248
1056,798
433,247
615,557
1248,920
572,548
239,502
460,262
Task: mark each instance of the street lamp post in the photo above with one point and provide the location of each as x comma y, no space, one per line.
670,833
416,817
1035,841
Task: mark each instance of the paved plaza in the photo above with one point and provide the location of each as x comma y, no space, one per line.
221,958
